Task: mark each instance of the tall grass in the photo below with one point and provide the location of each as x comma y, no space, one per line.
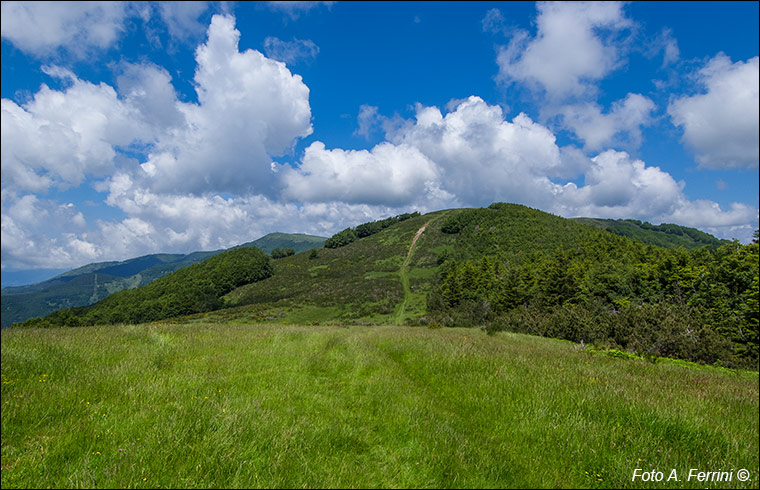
287,406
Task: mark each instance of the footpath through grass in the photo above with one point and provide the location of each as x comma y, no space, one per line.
404,277
287,406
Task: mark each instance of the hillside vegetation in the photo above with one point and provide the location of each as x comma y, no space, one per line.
505,267
250,406
358,282
664,235
194,289
508,267
598,288
89,284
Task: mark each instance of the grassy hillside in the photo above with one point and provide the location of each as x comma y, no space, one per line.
665,235
214,406
362,281
89,284
505,267
509,267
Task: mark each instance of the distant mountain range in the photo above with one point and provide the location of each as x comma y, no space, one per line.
91,283
13,278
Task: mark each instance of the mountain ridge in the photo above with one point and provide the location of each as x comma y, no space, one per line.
503,267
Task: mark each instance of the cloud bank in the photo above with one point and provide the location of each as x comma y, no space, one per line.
721,125
200,175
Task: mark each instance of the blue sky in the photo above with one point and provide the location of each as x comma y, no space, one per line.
136,128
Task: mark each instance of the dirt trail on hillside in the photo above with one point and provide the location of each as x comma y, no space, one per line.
405,278
414,240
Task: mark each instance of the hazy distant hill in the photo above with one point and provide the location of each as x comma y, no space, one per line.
90,283
665,235
14,278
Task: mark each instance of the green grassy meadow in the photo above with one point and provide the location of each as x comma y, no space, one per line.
240,405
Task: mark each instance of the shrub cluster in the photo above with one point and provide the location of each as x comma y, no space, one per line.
341,239
279,253
349,235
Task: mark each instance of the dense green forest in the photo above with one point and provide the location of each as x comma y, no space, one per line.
699,305
194,289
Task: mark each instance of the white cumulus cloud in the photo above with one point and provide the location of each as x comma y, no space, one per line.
620,126
41,28
388,174
722,125
574,47
617,186
480,156
250,108
472,156
59,137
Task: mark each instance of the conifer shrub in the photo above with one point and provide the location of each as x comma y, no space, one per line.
699,305
279,253
341,239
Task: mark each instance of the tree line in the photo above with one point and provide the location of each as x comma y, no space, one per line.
349,235
699,305
195,289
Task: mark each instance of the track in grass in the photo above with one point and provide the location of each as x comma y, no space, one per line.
405,277
250,406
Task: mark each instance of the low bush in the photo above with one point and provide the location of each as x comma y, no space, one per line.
279,253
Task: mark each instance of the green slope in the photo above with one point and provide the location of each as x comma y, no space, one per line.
89,284
272,406
365,280
359,282
505,267
509,267
194,289
664,235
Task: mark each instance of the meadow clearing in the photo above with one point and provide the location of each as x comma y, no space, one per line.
229,405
